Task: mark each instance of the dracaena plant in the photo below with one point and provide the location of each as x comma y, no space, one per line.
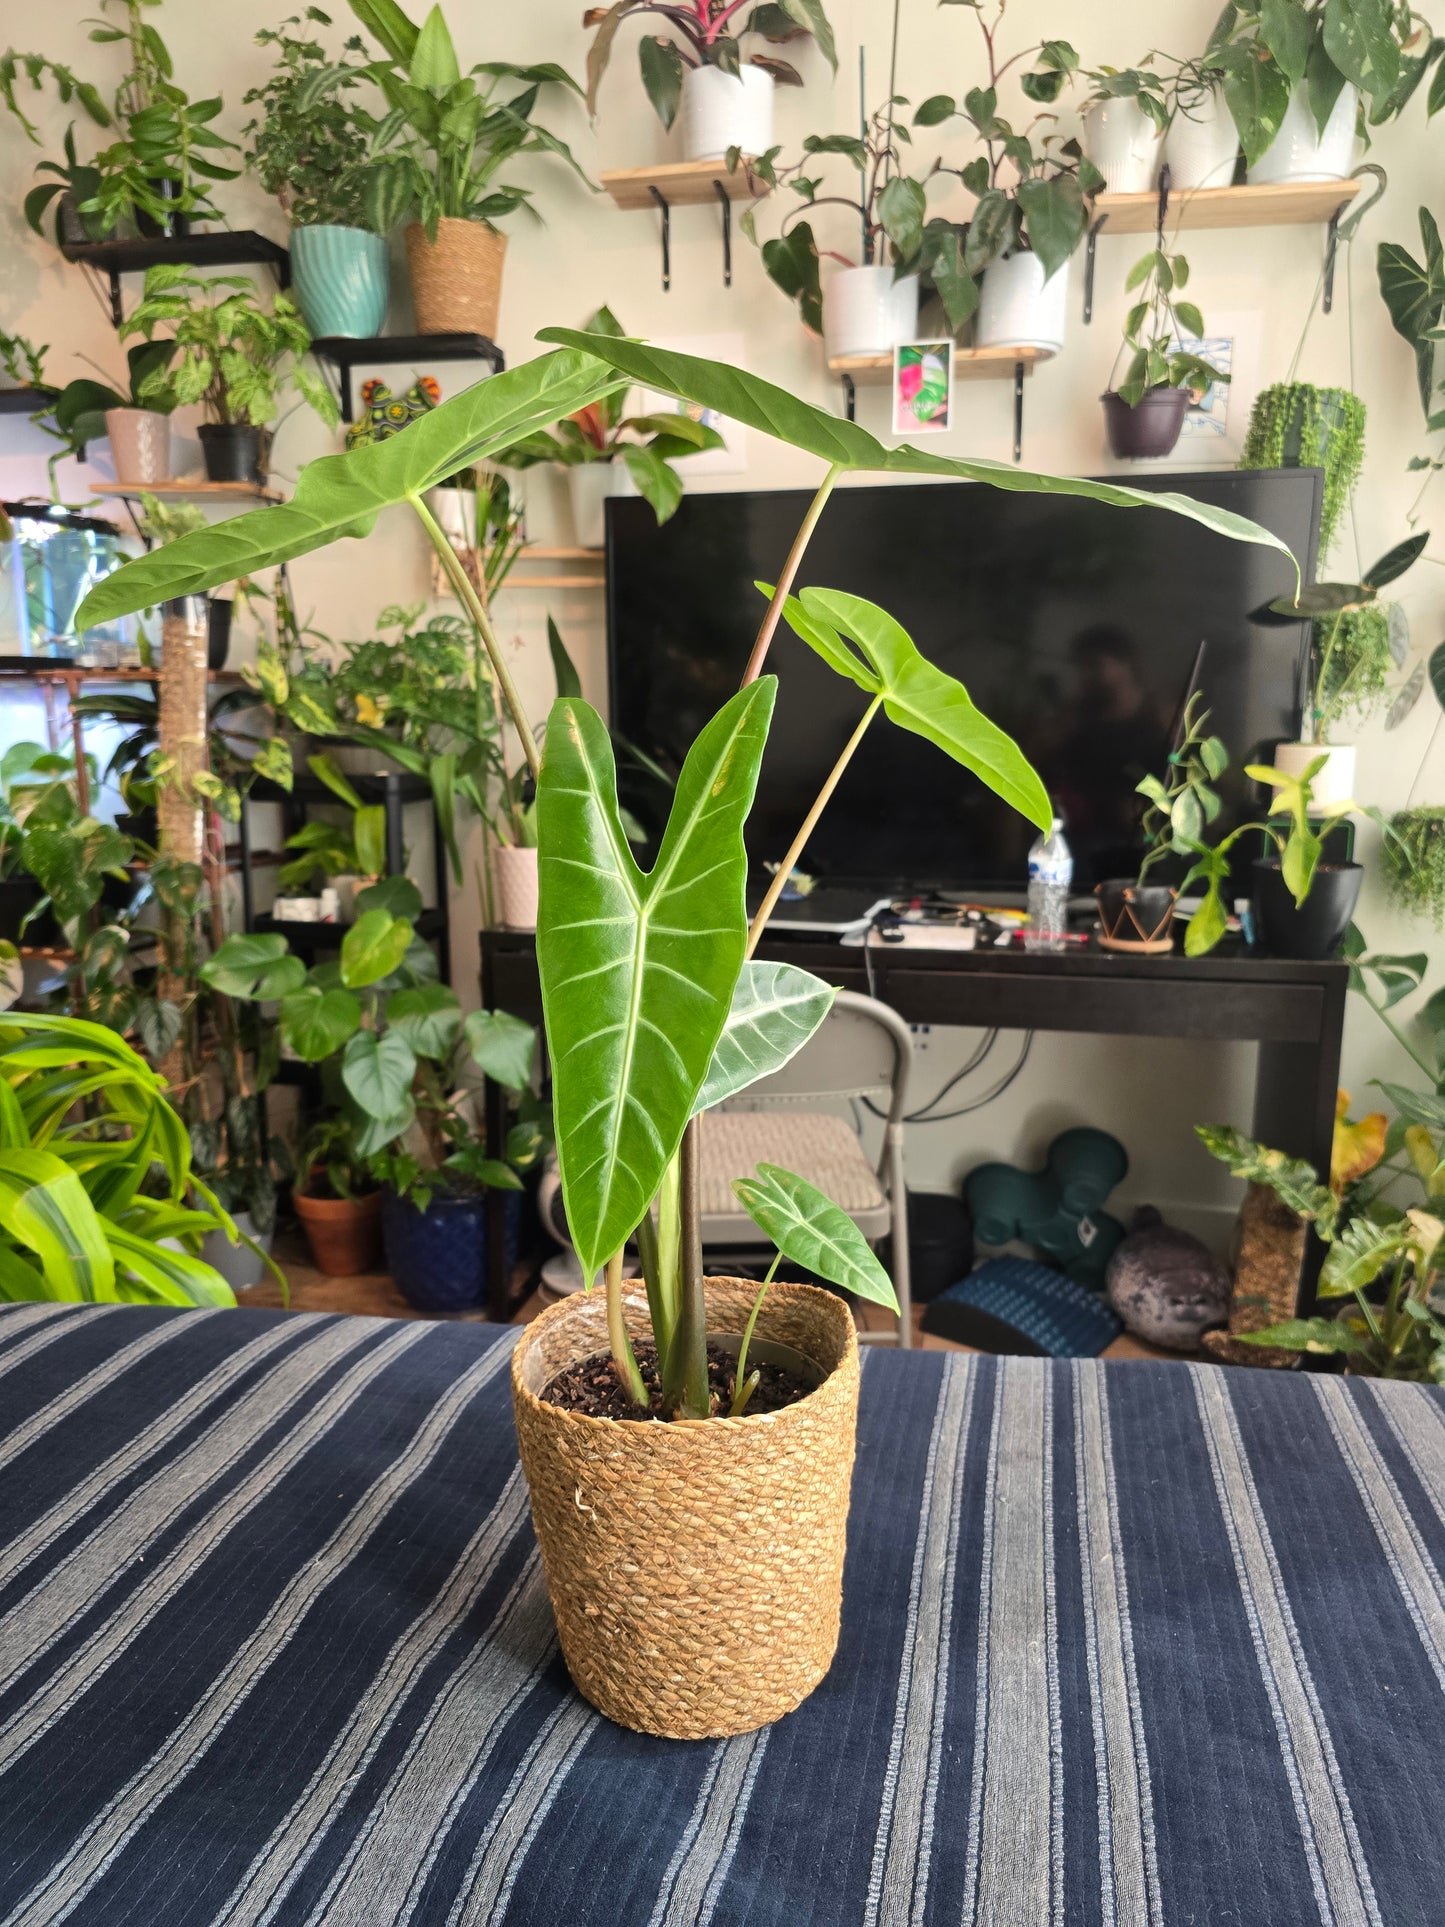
651,1015
605,432
457,135
709,33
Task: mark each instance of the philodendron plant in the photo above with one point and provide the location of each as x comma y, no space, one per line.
655,1005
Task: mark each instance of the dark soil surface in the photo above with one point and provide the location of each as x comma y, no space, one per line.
593,1387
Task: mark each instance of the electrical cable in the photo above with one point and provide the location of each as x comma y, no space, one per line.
926,1115
943,1117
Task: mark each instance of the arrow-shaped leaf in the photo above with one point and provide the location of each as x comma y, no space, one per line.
775,1010
638,970
810,1230
342,495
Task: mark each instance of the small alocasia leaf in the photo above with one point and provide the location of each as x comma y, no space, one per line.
342,495
638,969
922,698
373,947
810,1230
377,1071
428,1017
315,1022
773,411
501,1046
775,1010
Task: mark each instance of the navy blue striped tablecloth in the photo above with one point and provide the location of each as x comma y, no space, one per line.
1126,1644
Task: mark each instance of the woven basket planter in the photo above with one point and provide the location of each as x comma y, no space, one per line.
456,280
696,1569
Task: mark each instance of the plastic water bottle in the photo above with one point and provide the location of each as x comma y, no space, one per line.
1051,872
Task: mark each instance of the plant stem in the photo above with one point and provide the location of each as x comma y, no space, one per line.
1402,1040
795,850
623,1356
739,1396
785,580
685,1389
472,603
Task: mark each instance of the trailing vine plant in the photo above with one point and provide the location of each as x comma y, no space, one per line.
1296,425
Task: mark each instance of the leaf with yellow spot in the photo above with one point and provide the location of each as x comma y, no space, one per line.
1357,1147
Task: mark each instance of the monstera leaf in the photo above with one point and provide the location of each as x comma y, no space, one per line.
915,694
638,969
747,399
775,1010
343,494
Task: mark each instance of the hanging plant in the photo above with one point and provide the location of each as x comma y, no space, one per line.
1415,862
1359,667
1296,425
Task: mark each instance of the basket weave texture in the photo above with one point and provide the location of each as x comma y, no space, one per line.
696,1569
456,280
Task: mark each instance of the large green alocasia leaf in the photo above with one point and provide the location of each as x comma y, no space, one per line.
342,495
638,970
812,1231
916,695
775,1010
773,411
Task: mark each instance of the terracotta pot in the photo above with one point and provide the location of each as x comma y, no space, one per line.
456,280
344,1233
1137,918
696,1570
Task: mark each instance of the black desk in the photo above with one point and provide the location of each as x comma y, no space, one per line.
1293,1011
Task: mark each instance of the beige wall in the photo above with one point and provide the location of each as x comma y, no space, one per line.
588,253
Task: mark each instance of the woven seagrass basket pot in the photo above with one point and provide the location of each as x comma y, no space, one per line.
456,280
696,1569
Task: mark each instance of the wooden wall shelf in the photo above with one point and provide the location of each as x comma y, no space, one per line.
197,490
670,184
969,364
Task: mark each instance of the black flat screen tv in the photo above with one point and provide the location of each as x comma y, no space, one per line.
1075,626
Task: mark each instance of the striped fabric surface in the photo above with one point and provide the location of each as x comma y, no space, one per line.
1126,1644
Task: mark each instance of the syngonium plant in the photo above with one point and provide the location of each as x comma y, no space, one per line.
654,1003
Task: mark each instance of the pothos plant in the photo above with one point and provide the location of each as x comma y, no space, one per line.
709,33
651,1013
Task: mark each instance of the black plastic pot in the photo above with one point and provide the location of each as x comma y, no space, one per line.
233,452
218,630
1150,427
1137,918
1310,930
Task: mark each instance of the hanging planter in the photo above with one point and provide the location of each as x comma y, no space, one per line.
1296,425
731,1532
342,276
1019,307
721,111
456,280
1415,862
1300,151
1150,428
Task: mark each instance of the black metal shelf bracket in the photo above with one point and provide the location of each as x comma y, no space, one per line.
850,398
1018,411
661,200
1332,247
1089,268
727,230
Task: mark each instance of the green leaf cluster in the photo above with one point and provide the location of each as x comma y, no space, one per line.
710,36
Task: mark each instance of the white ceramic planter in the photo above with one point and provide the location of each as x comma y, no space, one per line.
140,444
1017,308
1202,145
455,510
515,871
237,1264
866,311
1123,143
589,485
1300,152
722,110
1335,783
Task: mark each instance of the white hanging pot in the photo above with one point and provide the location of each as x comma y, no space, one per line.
1335,782
1018,308
721,110
454,510
866,311
1123,143
1300,152
1202,144
515,871
589,485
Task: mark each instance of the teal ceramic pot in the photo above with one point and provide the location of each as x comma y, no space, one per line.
340,277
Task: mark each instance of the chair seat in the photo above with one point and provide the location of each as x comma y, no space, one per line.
817,1145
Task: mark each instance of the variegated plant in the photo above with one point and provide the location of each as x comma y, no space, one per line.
654,1005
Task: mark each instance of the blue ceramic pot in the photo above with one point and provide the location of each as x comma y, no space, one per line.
438,1257
340,276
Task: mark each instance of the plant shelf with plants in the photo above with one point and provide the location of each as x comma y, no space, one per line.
969,364
681,184
1289,204
243,248
346,352
27,401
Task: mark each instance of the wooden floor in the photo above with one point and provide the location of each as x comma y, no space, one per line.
374,1295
